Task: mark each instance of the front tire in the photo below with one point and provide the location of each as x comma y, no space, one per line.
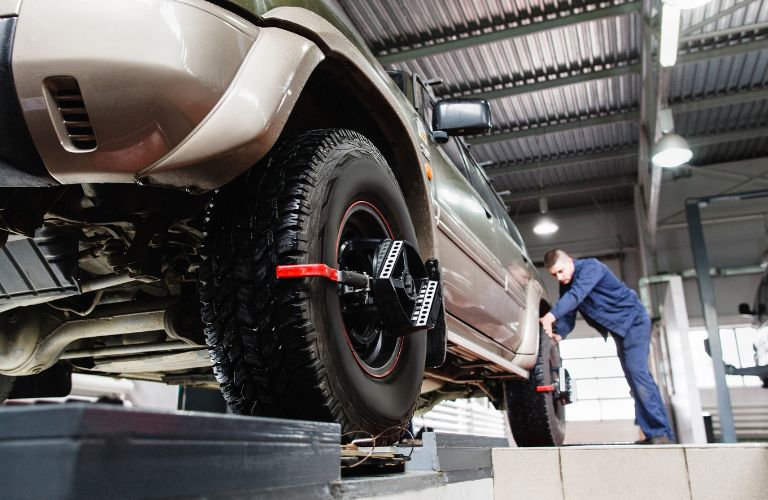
537,418
287,348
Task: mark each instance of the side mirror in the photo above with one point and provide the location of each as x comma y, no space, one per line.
745,310
462,116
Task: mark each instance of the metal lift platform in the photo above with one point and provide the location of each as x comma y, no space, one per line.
103,451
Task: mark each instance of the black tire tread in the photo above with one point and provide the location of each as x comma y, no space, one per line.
261,339
527,409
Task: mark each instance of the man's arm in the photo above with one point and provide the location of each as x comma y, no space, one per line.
589,275
565,323
558,328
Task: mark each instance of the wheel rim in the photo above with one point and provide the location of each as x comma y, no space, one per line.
374,348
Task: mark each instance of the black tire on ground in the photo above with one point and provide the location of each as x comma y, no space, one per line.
6,385
284,348
537,418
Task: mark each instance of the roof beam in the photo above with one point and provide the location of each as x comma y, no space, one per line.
725,32
518,168
760,161
586,187
733,135
465,40
572,211
720,100
552,80
543,128
728,50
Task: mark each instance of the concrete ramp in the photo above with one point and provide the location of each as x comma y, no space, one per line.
678,472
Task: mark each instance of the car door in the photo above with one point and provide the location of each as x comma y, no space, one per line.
511,254
473,276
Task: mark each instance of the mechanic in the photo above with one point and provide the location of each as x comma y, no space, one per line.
609,306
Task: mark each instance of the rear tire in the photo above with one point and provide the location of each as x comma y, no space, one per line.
284,348
537,418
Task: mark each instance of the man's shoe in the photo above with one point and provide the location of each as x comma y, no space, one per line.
655,440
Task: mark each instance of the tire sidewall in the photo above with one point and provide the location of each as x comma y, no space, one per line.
356,176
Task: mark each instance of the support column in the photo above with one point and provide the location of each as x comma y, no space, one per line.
707,295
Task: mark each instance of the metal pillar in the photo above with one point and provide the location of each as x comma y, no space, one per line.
707,295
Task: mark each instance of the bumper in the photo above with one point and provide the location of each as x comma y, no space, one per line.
20,164
156,86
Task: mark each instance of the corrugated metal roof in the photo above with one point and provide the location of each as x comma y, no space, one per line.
750,12
719,76
572,101
591,44
396,26
565,175
399,24
730,151
558,144
593,198
722,119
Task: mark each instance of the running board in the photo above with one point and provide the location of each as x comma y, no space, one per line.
485,354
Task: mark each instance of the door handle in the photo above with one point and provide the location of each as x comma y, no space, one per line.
488,213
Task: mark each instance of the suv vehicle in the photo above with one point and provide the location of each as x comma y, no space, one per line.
236,194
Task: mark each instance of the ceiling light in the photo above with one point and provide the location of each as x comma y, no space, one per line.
670,31
672,150
545,225
670,27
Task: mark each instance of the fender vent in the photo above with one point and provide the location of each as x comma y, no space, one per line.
74,125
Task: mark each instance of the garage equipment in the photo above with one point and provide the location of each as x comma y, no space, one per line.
707,294
402,292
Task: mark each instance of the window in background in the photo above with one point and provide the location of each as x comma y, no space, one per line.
602,392
738,351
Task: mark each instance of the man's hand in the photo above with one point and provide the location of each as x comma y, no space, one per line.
546,322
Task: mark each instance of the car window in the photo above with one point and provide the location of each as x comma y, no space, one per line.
478,180
453,151
514,233
425,103
399,79
484,188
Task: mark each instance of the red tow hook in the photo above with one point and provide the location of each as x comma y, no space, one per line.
545,388
349,278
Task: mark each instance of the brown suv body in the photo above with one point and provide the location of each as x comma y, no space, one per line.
127,114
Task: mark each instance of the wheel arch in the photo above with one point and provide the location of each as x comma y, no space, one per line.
340,96
359,95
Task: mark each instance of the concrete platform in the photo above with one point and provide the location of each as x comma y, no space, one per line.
676,472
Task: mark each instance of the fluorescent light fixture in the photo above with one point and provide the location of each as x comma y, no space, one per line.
670,27
670,31
545,226
672,150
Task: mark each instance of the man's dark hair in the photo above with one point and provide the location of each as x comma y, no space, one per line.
551,257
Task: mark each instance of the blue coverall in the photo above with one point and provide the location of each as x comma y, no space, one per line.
609,306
